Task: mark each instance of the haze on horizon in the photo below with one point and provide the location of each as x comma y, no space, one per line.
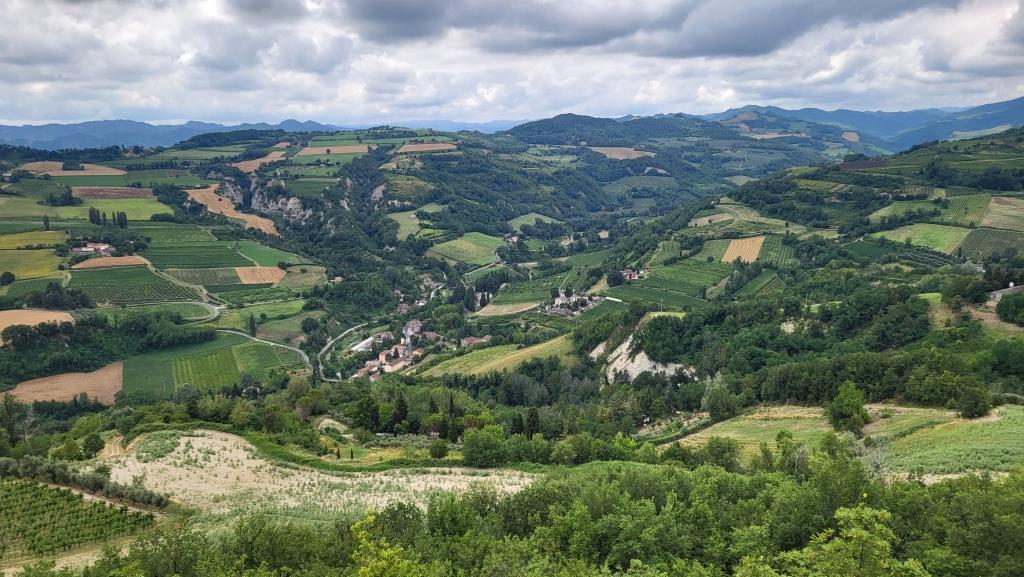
367,61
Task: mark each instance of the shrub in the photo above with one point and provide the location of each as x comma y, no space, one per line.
974,402
439,449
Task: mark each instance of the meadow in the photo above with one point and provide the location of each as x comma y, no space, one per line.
937,237
529,218
408,223
34,239
264,255
628,184
135,208
27,264
128,285
470,248
1005,212
189,311
238,318
309,187
502,357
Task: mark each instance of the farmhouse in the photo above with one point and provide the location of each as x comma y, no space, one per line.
470,341
630,274
94,248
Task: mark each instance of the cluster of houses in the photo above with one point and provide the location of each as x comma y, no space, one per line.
404,353
94,248
566,304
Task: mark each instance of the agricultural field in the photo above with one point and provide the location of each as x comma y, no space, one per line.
110,262
689,277
1005,212
744,249
208,365
763,424
588,259
982,242
102,385
128,285
765,282
470,248
775,252
309,187
189,311
35,239
630,183
21,288
937,237
303,277
205,276
538,290
31,317
165,233
238,318
135,208
27,264
412,147
965,210
198,255
529,218
407,185
408,223
40,520
713,249
236,296
333,160
502,357
288,330
621,152
264,255
662,297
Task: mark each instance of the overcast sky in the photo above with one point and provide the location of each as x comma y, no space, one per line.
478,60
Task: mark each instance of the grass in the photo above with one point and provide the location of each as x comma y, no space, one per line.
145,177
806,424
189,311
408,223
665,298
128,285
1005,212
255,295
29,263
40,238
152,373
265,255
529,218
714,249
208,370
502,357
587,259
982,242
136,208
310,188
470,248
287,330
937,237
173,233
629,183
21,288
303,277
992,444
238,318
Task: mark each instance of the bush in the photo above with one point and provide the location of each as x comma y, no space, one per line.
484,447
439,449
1011,308
846,411
974,402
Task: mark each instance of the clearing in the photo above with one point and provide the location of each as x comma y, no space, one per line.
259,274
1005,212
426,147
249,166
621,152
343,149
101,385
56,168
219,472
111,261
223,206
745,249
937,237
497,310
471,248
502,357
91,192
32,317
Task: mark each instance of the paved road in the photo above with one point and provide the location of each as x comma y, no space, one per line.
302,353
328,346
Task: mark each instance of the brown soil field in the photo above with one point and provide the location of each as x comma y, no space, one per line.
746,249
217,472
851,137
101,385
342,149
621,152
282,144
255,164
54,168
111,261
221,205
426,147
493,310
259,274
111,192
1004,212
706,220
32,317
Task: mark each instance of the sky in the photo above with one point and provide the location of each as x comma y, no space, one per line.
370,61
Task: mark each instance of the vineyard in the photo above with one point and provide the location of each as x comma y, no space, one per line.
775,252
965,210
982,242
249,296
205,276
38,520
132,284
762,283
195,255
23,287
188,311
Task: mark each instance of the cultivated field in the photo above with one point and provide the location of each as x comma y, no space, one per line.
129,285
745,249
774,252
303,277
982,242
502,357
32,317
496,310
250,166
55,168
204,276
530,218
259,274
621,152
198,255
709,219
426,147
38,238
109,192
937,237
340,149
221,205
29,263
101,385
189,311
111,261
1005,212
471,248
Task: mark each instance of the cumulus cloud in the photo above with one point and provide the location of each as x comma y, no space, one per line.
348,61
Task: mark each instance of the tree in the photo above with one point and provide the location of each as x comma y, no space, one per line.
719,403
46,222
484,447
92,444
615,278
6,278
1011,308
310,325
252,325
974,402
439,448
846,411
532,426
366,414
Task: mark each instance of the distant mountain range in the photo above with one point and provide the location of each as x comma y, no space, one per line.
871,132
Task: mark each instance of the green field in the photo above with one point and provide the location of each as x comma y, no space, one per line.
937,237
144,177
310,188
207,366
303,277
630,183
806,424
774,252
203,255
689,277
538,289
529,218
189,311
1005,212
982,242
34,239
501,357
287,330
136,208
265,255
173,233
128,285
763,283
38,519
205,276
587,259
408,224
335,160
470,248
30,263
667,298
713,249
255,295
238,318
21,288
